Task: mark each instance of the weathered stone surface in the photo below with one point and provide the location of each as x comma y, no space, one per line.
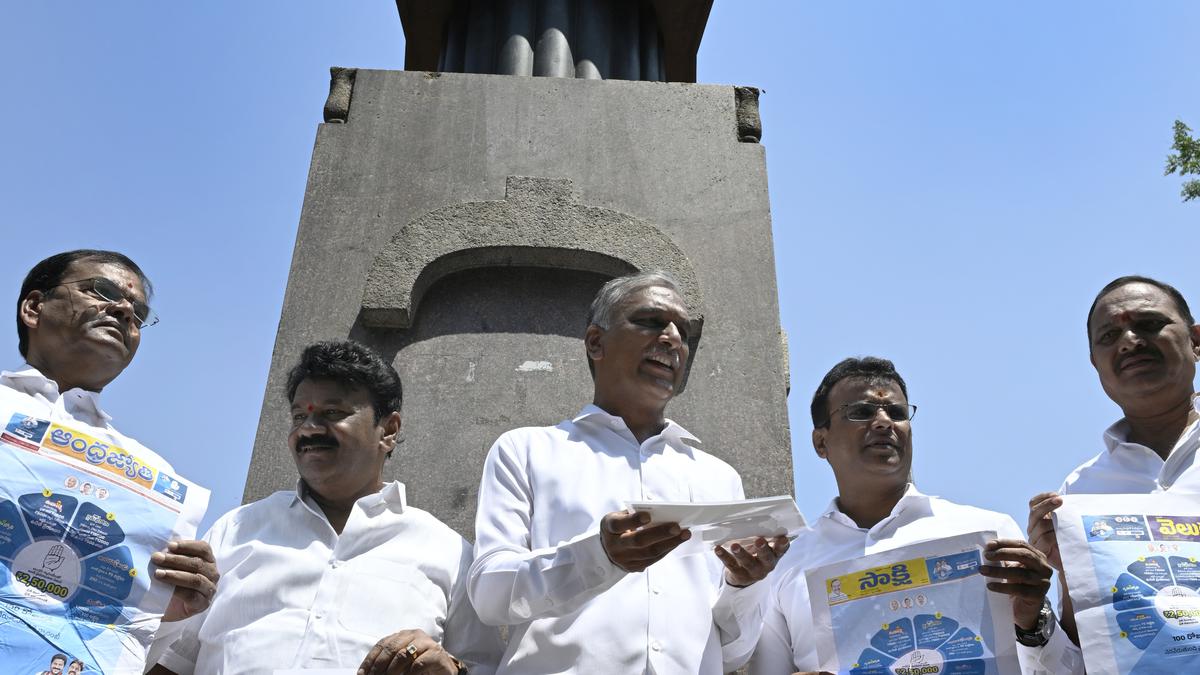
618,176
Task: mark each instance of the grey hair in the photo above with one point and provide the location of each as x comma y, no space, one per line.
603,311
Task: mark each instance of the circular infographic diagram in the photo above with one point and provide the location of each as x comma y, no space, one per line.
65,558
1156,593
926,644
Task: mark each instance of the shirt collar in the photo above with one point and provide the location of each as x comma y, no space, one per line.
29,380
1117,435
671,432
391,495
911,499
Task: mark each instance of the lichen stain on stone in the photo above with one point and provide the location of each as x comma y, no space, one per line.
535,366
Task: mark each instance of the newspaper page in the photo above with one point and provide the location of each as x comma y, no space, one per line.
1134,577
79,518
921,609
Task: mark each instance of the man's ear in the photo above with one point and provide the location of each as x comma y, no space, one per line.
1196,342
593,342
391,431
30,309
818,441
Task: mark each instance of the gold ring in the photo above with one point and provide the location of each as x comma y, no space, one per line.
411,650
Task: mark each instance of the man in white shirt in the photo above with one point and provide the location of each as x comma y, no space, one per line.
341,572
1144,344
862,427
79,320
584,585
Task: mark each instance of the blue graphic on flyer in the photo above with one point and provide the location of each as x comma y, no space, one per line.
1149,576
934,620
79,518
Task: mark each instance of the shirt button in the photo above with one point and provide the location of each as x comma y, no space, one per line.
656,646
317,615
334,564
655,590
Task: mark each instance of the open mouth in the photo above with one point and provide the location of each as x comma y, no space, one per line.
664,363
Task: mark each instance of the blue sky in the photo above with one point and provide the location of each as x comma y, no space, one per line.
951,182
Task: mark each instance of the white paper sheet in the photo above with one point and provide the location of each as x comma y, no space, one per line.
714,523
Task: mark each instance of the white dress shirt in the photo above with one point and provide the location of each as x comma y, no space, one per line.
1131,468
541,569
38,395
295,594
787,645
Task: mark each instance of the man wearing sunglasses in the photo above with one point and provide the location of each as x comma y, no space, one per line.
79,320
863,427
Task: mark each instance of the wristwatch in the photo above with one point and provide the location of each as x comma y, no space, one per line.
1040,635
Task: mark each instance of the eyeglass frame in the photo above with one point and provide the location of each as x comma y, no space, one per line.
912,411
151,317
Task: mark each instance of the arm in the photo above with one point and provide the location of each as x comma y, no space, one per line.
1022,572
180,657
1043,538
773,654
465,636
738,610
508,583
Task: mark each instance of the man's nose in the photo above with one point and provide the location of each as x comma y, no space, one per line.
123,308
312,425
1130,341
882,420
672,335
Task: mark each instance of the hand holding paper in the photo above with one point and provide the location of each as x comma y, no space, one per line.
633,543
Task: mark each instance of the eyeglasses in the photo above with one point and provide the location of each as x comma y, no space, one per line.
108,291
865,411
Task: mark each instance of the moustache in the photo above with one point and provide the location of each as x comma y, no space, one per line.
309,442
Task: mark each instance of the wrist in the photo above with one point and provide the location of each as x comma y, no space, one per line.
1039,633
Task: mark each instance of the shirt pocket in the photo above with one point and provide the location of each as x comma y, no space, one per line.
381,597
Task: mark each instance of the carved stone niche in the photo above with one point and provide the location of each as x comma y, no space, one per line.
481,307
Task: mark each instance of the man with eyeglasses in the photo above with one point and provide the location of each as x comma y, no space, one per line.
863,427
79,320
1144,344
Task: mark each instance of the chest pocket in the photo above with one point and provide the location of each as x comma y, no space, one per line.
381,597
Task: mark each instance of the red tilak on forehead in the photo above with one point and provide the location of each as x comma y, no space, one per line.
310,407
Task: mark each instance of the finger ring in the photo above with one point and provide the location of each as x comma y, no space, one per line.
411,650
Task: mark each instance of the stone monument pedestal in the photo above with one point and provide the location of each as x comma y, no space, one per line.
461,223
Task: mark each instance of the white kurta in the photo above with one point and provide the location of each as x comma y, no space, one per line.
295,594
787,644
541,569
1130,468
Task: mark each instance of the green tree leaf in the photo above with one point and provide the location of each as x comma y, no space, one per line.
1185,160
